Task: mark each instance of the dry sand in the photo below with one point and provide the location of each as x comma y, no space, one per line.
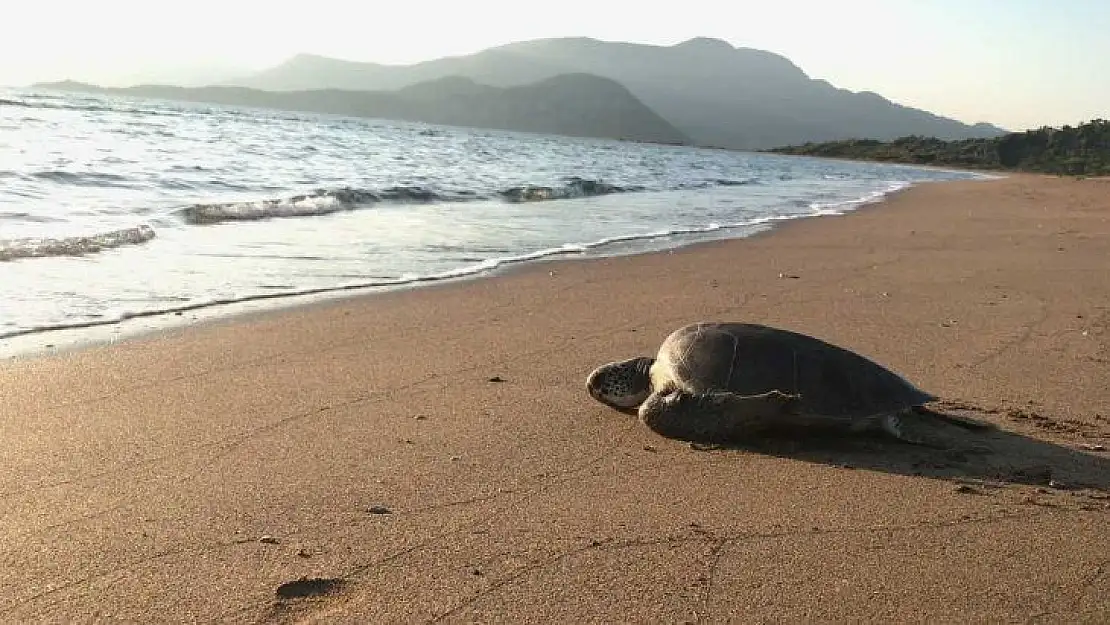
187,477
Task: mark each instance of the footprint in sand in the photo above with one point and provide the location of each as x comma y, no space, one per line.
308,587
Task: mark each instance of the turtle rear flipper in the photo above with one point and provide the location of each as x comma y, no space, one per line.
928,429
892,424
957,420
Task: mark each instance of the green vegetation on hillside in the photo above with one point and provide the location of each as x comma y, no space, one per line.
1079,151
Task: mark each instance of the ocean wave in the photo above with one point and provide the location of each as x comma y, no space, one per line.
13,249
327,201
474,267
477,268
319,202
91,104
27,217
82,179
37,103
573,188
716,182
841,207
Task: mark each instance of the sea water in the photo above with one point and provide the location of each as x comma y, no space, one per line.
114,208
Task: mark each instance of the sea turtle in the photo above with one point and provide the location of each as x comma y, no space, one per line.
717,381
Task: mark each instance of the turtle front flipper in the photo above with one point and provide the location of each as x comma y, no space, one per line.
711,416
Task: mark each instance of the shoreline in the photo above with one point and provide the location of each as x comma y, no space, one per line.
431,455
47,341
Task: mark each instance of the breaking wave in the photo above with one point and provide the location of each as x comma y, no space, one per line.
319,202
327,201
574,187
13,249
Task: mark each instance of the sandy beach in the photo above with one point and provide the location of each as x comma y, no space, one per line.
432,456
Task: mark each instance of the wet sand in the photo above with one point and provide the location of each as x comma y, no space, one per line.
431,455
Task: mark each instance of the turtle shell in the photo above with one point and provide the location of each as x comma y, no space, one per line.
750,359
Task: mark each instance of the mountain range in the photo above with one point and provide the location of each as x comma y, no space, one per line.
716,94
701,91
578,105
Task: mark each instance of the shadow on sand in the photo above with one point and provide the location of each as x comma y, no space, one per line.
977,451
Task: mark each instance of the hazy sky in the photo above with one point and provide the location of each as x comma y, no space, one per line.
1017,63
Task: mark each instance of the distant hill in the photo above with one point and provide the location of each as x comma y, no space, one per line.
567,104
1082,150
714,93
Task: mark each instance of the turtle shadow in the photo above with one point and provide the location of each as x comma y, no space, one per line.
980,450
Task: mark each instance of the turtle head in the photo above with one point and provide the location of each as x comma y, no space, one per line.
622,384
